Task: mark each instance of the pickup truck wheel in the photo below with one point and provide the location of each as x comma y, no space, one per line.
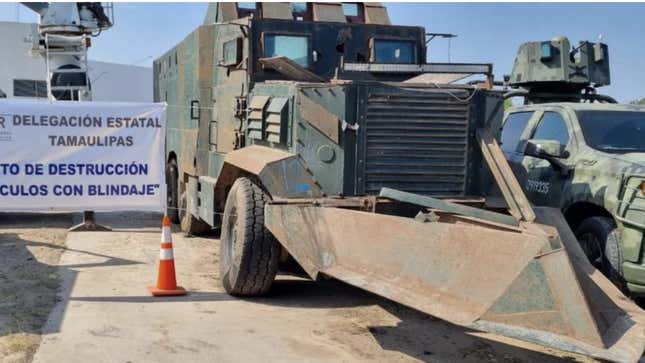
189,224
248,252
172,192
603,231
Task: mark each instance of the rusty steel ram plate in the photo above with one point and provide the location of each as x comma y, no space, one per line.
518,282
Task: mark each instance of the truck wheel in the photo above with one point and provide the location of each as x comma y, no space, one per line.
248,252
189,224
172,192
602,232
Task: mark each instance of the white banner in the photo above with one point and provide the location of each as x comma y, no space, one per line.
75,156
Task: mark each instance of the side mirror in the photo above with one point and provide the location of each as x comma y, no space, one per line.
545,149
550,150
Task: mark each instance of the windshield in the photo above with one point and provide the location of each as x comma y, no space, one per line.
294,47
393,51
613,131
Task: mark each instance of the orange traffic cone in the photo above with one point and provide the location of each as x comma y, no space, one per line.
166,281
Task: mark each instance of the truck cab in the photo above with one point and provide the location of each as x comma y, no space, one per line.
585,157
334,85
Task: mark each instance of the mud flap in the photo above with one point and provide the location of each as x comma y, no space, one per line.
518,282
191,190
205,192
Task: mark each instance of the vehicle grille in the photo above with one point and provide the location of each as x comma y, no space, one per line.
416,141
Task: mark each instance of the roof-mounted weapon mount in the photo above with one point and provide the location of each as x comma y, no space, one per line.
553,71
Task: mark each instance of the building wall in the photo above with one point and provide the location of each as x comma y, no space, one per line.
110,81
15,62
120,82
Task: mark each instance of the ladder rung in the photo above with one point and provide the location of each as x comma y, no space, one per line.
70,70
69,88
58,52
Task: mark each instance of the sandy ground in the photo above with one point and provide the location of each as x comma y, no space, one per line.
30,248
105,314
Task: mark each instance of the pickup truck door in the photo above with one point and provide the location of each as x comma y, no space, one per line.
516,128
544,181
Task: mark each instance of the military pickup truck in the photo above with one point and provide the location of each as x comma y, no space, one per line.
576,150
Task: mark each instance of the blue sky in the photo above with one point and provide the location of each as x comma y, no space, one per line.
487,32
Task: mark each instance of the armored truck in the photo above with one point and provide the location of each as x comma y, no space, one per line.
319,133
581,152
308,87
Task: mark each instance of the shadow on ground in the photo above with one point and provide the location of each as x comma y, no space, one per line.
30,275
416,335
116,221
35,220
29,289
192,296
142,222
30,247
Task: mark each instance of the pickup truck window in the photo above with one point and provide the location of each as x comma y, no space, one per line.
294,47
513,128
613,131
552,127
394,51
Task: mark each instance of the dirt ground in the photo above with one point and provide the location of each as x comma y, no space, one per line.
104,314
30,248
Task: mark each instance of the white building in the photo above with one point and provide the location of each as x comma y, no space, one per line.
22,75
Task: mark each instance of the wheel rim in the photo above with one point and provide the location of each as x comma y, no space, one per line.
170,200
591,246
231,228
171,181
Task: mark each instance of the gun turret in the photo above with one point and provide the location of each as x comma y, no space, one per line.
553,71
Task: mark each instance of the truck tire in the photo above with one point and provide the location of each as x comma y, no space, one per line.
172,192
190,224
603,230
248,251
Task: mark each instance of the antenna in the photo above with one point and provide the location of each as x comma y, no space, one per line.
448,36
